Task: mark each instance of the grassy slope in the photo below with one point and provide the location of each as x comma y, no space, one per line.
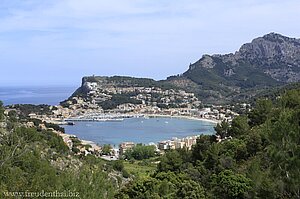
140,169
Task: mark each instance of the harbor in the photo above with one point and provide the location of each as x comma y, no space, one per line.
138,130
99,117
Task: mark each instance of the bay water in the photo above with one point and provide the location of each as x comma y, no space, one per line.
138,130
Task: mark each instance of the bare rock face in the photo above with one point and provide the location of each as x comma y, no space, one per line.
229,72
271,48
273,54
205,62
267,61
277,55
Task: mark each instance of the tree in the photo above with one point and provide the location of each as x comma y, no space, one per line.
189,189
261,112
1,111
140,152
118,165
253,143
171,161
284,152
231,185
141,189
222,129
200,148
12,116
235,148
291,99
239,126
212,160
106,149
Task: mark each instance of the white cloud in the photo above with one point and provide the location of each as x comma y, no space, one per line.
153,38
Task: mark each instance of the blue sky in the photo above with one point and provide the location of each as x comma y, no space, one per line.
56,42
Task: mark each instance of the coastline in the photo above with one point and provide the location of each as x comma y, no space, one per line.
183,117
147,116
116,117
104,117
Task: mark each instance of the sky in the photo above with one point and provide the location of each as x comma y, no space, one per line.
57,42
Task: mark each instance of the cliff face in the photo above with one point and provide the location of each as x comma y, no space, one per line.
273,54
267,61
277,55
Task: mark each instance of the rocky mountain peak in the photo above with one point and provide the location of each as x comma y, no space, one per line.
206,61
274,36
276,55
271,49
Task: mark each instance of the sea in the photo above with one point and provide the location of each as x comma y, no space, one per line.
138,130
51,95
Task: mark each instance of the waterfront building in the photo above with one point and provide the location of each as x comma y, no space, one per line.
125,146
179,145
163,145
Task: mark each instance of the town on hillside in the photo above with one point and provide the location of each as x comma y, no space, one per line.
152,102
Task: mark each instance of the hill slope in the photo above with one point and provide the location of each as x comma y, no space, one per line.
267,61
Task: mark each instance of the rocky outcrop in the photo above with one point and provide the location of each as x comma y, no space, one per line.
270,49
275,55
267,61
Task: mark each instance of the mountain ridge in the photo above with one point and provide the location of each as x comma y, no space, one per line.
266,62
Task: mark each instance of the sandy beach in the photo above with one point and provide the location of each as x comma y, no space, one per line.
183,117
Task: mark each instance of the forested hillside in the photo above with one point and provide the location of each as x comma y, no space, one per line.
259,157
35,161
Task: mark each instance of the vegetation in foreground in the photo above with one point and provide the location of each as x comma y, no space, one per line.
35,160
262,160
140,168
